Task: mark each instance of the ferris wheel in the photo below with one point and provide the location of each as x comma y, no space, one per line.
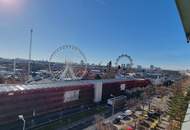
67,62
128,61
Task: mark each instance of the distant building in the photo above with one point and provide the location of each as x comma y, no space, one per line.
139,67
152,67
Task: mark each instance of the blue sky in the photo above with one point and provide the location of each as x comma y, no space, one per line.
149,31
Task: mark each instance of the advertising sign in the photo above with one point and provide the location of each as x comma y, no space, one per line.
71,95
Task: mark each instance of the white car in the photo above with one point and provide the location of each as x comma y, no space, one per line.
128,112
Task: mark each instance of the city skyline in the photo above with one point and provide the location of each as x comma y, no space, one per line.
151,33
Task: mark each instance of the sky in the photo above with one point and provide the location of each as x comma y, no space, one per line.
150,31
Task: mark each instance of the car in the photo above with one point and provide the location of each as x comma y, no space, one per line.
143,123
121,116
134,116
150,119
126,118
145,115
154,115
128,112
116,121
138,113
157,114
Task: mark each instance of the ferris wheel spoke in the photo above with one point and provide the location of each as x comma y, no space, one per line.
71,69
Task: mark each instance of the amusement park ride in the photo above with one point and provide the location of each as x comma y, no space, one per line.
123,68
70,69
126,57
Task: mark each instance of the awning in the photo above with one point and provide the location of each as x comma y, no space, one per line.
184,12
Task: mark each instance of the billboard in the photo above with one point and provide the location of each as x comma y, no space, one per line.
71,96
122,87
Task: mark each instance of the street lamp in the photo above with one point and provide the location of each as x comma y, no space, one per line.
21,117
33,117
113,104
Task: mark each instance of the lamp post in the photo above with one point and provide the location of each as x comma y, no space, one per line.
33,117
113,104
21,117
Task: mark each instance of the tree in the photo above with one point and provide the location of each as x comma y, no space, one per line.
2,80
109,65
177,107
97,76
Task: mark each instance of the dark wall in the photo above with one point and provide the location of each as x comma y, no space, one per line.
42,101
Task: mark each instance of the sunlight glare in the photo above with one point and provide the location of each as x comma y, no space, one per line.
8,2
11,5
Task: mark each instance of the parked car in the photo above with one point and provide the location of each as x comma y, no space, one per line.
117,121
128,112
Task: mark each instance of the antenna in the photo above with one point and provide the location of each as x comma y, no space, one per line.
30,51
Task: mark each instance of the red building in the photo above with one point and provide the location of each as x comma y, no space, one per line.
42,99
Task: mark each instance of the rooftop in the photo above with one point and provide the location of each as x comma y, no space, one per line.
51,84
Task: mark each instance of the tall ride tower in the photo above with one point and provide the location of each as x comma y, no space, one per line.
30,52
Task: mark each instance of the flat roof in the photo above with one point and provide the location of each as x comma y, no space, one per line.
53,84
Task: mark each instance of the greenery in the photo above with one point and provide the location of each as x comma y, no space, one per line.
98,76
177,106
73,118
